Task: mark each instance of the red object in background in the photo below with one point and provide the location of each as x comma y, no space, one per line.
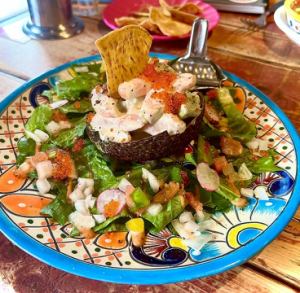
120,8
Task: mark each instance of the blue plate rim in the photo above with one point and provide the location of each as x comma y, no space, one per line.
154,276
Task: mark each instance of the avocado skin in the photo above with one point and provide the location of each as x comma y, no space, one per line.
152,147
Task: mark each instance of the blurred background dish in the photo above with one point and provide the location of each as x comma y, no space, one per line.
281,21
120,8
292,9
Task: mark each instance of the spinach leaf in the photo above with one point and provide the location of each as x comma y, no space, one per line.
59,209
66,138
240,128
39,118
170,211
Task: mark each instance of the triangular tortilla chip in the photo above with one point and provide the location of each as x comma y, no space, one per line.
167,24
125,53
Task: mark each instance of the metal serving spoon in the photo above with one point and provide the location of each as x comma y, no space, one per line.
195,60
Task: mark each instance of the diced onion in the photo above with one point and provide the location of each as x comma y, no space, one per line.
248,192
43,136
52,127
43,186
76,194
33,136
124,185
153,181
80,206
58,104
154,209
44,169
82,222
244,173
185,217
99,218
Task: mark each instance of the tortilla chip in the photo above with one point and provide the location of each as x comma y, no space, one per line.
183,16
127,20
125,54
190,8
167,25
150,26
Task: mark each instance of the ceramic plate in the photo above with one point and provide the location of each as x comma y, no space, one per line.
281,21
120,8
237,235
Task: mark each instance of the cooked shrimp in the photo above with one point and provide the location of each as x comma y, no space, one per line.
152,108
184,82
167,122
134,88
108,116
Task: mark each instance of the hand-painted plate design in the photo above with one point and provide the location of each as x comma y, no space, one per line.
237,235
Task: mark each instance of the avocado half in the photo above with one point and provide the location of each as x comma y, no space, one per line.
151,147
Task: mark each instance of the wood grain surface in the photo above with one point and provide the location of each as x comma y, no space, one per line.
266,58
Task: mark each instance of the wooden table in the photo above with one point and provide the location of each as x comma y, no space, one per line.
266,58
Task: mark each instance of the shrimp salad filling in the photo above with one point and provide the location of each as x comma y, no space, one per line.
158,100
99,194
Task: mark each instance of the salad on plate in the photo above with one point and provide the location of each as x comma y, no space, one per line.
129,144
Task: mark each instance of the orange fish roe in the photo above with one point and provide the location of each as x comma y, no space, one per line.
158,79
62,165
172,101
111,209
77,105
90,117
78,145
58,116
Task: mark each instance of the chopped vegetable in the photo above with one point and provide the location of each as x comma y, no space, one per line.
207,177
239,127
40,117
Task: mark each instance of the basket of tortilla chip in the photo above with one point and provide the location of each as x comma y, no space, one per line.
146,110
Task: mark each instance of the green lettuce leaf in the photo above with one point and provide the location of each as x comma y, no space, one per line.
85,106
59,209
39,118
240,128
170,211
226,192
90,163
78,87
263,164
114,222
26,148
66,138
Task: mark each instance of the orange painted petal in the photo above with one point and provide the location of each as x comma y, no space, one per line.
26,205
9,182
112,240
